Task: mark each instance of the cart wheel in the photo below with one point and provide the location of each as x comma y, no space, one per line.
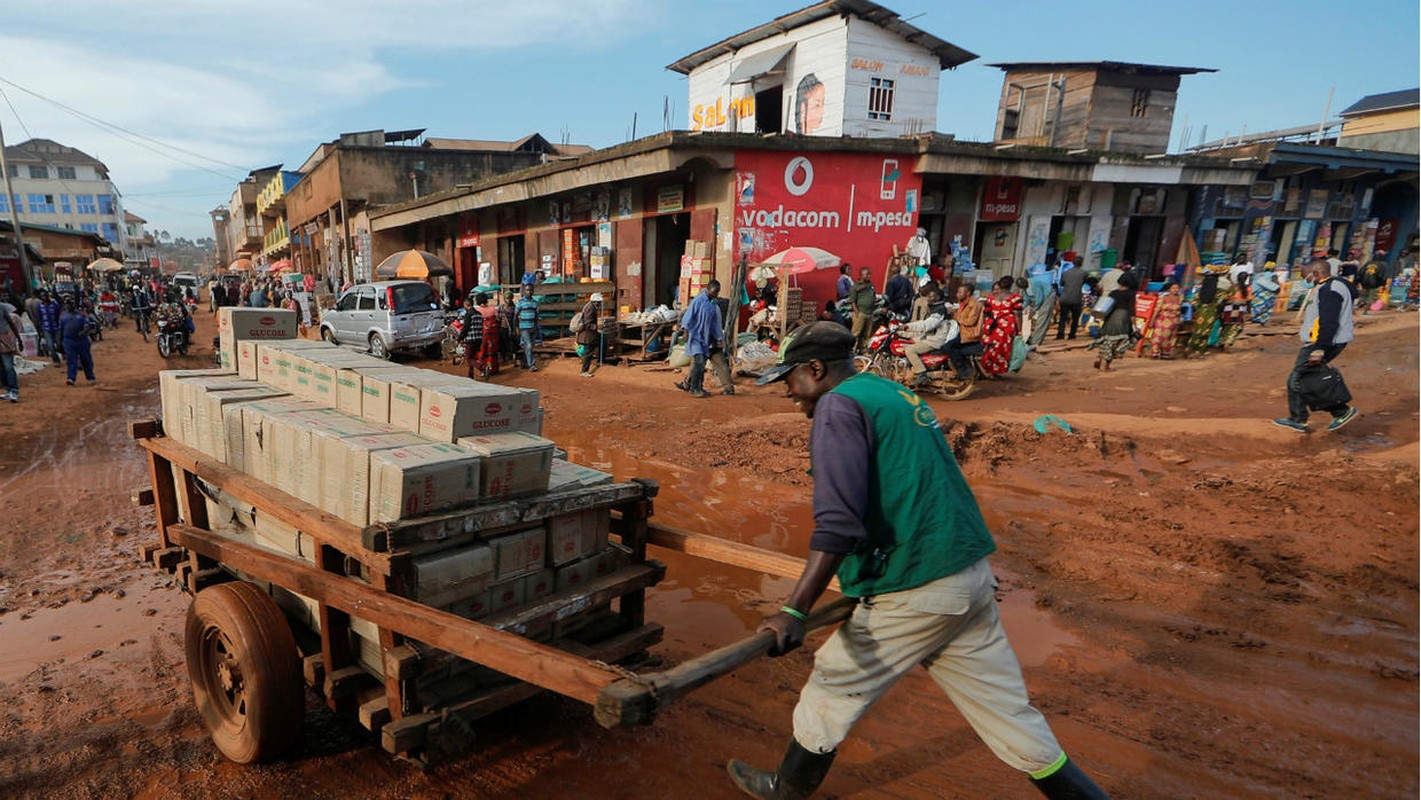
245,672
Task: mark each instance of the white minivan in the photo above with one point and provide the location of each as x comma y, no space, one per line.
386,316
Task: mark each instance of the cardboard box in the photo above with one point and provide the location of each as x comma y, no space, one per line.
575,575
609,561
407,394
566,542
192,393
446,578
350,386
450,412
596,523
565,475
236,324
518,554
408,481
257,445
291,464
276,535
375,389
345,471
539,585
505,596
170,398
514,464
274,359
475,606
212,422
247,359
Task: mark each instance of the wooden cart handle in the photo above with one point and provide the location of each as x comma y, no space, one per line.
635,700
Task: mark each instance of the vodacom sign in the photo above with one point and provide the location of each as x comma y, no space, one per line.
799,176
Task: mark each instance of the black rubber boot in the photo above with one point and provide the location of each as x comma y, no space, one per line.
799,775
1069,783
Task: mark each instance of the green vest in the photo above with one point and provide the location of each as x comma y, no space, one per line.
923,522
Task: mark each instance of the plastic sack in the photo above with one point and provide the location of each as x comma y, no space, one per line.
1018,354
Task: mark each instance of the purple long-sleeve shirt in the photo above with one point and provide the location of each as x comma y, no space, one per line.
841,442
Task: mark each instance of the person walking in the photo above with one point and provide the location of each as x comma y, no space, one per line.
1371,279
74,330
705,333
526,318
49,313
844,284
1004,310
1164,324
9,348
1072,278
217,295
863,301
1116,329
914,554
1325,332
472,336
589,335
1041,303
258,298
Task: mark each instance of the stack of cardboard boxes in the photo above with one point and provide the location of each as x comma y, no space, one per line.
697,270
372,442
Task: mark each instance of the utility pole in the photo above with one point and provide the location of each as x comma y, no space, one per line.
15,220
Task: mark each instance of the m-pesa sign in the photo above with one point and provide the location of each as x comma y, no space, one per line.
854,205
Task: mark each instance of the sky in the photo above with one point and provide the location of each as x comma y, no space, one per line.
219,89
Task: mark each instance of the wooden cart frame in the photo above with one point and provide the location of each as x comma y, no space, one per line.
364,572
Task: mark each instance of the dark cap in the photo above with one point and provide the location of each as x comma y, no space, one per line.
823,340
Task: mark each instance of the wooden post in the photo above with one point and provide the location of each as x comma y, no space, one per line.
335,624
632,605
165,497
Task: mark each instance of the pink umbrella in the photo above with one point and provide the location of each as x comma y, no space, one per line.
803,259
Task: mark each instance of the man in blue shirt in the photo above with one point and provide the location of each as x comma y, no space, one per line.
705,332
49,311
526,312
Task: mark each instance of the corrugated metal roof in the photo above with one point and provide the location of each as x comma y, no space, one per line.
1386,101
1113,66
949,55
50,152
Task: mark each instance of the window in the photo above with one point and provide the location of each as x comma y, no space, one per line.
84,204
111,232
66,173
14,170
1139,102
89,227
347,301
64,204
367,300
106,204
880,98
41,203
39,172
4,205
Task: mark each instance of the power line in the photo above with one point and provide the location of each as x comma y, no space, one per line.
42,156
138,138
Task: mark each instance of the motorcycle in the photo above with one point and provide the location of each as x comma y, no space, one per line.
172,338
885,356
452,346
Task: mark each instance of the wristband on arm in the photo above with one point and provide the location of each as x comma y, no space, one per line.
794,612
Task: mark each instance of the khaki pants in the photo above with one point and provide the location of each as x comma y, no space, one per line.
950,626
862,329
915,352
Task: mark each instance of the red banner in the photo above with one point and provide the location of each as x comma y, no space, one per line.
1001,200
854,205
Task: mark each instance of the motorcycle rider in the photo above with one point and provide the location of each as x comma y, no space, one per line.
968,314
174,314
929,333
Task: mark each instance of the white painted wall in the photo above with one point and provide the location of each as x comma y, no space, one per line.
843,54
85,182
876,53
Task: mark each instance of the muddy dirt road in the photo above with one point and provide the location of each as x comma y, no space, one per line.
1204,605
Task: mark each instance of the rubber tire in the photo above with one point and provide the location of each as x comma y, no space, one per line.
955,390
378,348
435,351
248,625
328,336
163,349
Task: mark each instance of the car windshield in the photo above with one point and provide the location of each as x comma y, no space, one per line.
414,297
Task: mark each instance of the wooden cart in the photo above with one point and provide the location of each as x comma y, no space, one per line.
247,661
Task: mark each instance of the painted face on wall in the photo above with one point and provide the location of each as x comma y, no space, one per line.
809,104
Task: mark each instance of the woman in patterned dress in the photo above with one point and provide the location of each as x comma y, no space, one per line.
1004,308
1234,314
1164,325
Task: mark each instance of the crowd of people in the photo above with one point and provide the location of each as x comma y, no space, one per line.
493,333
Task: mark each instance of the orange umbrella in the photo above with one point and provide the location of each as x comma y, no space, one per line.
105,265
412,264
241,265
280,266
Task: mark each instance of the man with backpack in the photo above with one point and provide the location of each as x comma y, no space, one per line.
1371,278
1326,330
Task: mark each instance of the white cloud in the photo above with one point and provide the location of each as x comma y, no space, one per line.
251,83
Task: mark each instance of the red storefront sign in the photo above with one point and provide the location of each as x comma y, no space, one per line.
1001,200
854,205
469,231
1386,234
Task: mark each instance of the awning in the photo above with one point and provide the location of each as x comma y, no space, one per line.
752,67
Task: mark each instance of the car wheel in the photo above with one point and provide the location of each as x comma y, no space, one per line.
328,335
378,348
